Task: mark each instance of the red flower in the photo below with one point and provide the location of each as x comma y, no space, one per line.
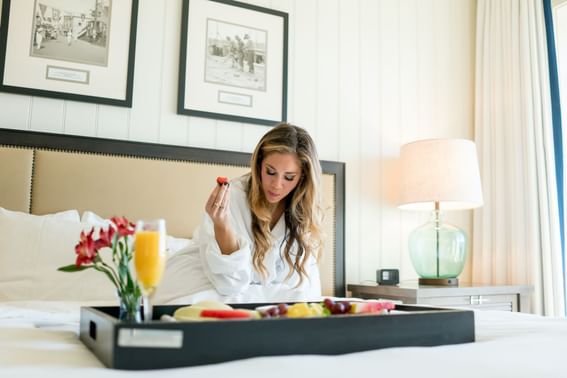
86,249
123,226
105,238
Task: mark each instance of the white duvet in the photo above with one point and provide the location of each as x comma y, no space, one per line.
40,339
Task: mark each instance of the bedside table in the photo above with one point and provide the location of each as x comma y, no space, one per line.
485,297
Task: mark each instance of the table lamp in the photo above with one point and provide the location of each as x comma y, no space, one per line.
439,174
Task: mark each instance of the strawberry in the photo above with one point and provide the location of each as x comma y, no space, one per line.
222,180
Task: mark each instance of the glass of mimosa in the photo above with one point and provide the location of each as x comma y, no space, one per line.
149,259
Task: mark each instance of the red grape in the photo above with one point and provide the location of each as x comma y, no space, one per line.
282,307
338,308
329,303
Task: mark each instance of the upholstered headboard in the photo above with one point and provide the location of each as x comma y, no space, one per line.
42,173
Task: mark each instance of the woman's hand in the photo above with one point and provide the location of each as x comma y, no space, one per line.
217,208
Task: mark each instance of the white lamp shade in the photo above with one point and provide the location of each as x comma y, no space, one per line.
443,170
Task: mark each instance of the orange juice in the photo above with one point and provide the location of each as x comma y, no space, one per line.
148,260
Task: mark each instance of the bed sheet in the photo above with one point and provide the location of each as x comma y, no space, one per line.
40,339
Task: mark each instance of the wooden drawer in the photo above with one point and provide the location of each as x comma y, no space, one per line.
506,302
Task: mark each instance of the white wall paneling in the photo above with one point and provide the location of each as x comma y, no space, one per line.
47,114
370,231
14,111
365,76
80,118
349,109
173,129
145,115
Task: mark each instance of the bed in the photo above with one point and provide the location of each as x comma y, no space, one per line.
48,182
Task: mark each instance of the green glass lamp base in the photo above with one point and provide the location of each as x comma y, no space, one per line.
438,252
439,281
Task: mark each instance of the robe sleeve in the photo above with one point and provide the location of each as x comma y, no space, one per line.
229,274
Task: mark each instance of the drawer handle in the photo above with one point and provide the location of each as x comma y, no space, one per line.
477,300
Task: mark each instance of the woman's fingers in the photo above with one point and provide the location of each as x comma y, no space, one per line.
218,201
212,199
225,200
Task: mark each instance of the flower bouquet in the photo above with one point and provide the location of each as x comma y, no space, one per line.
116,239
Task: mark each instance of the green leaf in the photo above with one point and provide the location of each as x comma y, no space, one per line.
108,274
73,268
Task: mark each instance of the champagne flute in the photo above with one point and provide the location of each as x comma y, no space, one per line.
149,259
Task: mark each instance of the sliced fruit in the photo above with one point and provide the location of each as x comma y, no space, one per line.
226,314
370,307
316,309
193,312
298,310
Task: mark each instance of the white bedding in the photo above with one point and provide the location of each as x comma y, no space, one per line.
40,339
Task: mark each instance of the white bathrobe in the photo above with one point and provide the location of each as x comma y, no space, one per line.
234,277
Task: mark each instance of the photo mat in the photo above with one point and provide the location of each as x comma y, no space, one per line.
233,62
81,50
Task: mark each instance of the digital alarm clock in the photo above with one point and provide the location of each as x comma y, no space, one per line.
388,276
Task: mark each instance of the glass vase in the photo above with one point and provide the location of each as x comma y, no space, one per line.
130,306
437,249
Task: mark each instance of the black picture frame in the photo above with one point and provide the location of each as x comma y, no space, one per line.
80,74
223,78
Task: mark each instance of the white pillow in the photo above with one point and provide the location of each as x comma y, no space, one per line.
184,278
173,245
32,247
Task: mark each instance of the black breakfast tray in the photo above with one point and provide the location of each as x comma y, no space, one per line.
159,344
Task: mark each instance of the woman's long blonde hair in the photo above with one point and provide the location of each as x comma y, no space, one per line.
303,211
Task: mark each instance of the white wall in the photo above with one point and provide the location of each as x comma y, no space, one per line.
365,76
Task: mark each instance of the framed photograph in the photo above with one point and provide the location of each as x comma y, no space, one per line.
80,50
233,62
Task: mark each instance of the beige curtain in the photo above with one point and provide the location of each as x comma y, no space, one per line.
516,233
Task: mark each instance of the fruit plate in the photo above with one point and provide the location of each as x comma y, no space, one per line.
160,344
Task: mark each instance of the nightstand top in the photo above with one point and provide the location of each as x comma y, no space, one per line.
412,289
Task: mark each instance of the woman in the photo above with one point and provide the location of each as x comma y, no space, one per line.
262,236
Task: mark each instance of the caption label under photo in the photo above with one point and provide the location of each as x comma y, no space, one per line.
67,74
235,98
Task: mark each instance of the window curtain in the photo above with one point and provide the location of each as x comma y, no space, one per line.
517,232
557,117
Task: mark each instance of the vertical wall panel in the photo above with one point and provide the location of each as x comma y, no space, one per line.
14,111
251,135
327,83
349,123
47,115
229,136
288,6
145,116
408,112
202,132
172,127
442,65
305,65
370,232
428,83
113,122
391,130
365,76
80,118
